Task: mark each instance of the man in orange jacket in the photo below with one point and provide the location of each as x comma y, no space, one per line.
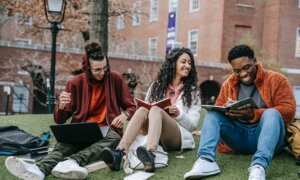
249,131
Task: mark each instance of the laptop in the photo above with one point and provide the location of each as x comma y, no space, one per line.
77,133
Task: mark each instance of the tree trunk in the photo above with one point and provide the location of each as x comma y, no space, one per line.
99,22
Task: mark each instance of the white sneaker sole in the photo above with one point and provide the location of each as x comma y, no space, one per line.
197,175
69,175
17,168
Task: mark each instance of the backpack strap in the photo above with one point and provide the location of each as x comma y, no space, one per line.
44,139
6,153
45,136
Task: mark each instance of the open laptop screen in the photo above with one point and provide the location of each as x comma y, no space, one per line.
77,133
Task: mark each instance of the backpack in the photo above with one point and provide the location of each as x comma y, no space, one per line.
293,139
14,141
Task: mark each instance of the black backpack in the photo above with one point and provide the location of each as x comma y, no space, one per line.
14,141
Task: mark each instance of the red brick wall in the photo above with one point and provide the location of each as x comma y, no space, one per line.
13,59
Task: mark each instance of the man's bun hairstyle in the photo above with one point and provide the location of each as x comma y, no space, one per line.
95,51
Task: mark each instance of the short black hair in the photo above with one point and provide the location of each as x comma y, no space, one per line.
95,51
240,51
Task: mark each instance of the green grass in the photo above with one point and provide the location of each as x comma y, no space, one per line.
232,166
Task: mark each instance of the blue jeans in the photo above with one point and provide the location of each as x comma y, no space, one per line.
262,139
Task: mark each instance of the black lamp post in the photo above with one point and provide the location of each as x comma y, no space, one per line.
57,9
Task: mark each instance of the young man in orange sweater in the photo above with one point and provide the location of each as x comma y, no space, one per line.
249,131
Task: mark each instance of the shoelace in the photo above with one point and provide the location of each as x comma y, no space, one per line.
198,162
256,172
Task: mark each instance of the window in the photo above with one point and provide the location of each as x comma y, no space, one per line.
152,46
154,10
22,41
20,19
20,99
120,48
297,53
120,23
137,10
297,96
173,4
299,4
245,3
194,5
135,48
241,32
176,45
193,41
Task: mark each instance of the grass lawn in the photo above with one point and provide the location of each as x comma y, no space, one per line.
232,166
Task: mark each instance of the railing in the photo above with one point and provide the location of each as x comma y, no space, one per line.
39,47
134,57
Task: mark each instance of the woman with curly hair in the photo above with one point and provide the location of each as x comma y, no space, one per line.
172,126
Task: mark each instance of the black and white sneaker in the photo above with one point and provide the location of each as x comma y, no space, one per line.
147,158
112,158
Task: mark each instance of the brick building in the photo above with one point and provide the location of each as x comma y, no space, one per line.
138,44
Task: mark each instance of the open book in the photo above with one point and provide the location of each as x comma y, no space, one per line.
162,103
139,175
244,103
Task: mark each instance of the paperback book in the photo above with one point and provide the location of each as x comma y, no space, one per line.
162,103
242,104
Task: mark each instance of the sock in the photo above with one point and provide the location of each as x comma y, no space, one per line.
206,159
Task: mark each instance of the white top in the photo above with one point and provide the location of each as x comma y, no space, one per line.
187,120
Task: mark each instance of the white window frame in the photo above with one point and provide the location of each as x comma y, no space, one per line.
299,4
121,22
18,105
23,19
137,10
244,5
192,3
194,51
120,48
23,41
135,47
173,5
296,90
152,47
176,45
154,7
297,46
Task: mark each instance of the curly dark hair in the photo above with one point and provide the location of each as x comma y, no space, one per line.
95,51
167,74
240,51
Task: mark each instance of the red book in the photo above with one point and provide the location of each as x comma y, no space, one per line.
162,103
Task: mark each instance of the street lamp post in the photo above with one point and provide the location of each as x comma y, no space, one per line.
56,8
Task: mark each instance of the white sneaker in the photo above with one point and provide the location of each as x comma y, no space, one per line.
23,170
257,172
69,169
202,168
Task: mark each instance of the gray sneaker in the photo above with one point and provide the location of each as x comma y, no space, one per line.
257,172
23,170
202,168
69,169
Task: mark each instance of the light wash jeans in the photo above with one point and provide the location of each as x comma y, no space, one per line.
262,139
